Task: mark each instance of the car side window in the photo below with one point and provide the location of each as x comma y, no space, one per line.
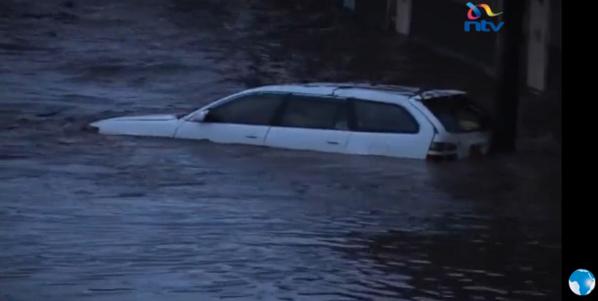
341,120
384,118
314,113
253,109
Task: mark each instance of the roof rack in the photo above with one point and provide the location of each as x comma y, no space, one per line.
421,92
371,86
439,92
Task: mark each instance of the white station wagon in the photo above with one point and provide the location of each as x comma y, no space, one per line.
361,119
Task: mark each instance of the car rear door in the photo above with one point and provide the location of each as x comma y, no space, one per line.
389,129
311,123
244,120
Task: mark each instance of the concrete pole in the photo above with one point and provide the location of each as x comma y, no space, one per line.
507,96
538,41
403,17
349,4
499,6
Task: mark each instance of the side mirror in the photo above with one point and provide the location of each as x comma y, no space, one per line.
199,116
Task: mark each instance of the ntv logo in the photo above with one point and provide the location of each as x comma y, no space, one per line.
474,13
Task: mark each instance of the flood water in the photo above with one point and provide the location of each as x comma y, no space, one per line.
91,217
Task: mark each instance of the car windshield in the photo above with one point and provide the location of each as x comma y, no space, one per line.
187,113
457,113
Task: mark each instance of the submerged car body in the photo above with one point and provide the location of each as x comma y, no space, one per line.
362,119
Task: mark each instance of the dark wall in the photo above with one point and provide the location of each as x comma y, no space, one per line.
373,13
442,21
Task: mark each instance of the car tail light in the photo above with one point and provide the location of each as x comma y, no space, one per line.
443,146
438,158
91,129
442,151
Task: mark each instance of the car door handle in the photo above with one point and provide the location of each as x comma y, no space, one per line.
251,137
332,142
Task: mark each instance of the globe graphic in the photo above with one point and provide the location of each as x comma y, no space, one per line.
582,282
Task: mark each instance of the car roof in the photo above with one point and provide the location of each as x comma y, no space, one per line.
367,91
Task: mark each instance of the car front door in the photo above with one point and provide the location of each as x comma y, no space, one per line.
311,123
244,120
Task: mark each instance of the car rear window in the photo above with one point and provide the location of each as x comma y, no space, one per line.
458,114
